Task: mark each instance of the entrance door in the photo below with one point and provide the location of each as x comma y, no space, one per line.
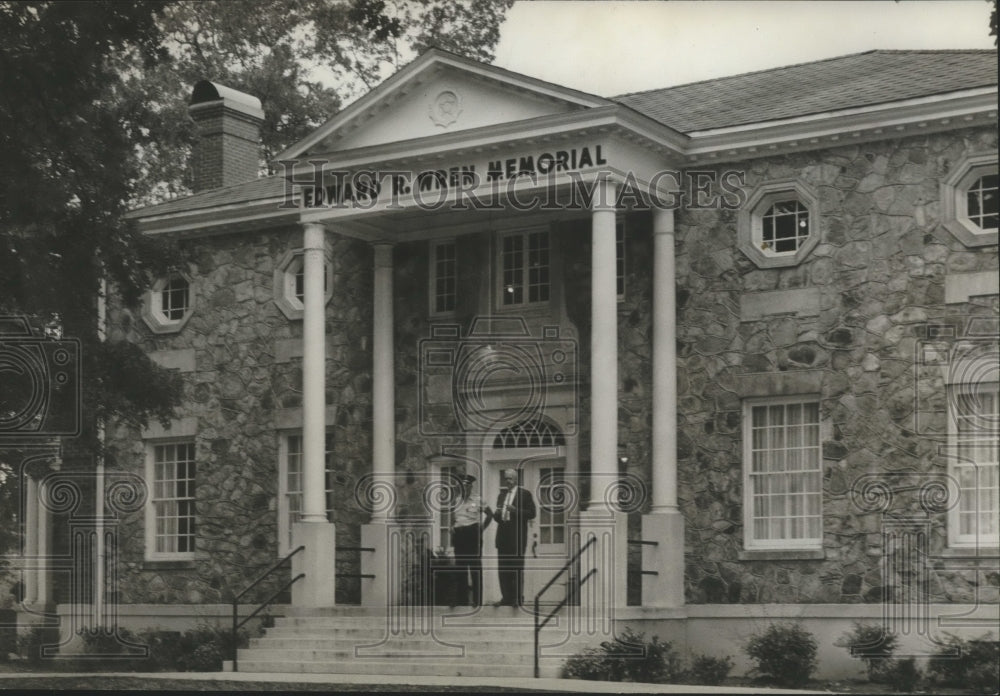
547,533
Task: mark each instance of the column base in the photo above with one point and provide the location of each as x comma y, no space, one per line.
606,589
375,591
666,588
317,561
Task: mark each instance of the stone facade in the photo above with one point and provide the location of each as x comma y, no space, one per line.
843,324
879,276
245,389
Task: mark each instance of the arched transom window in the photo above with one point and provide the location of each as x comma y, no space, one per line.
530,433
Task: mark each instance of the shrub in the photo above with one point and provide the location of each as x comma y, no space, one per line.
967,663
30,643
120,651
785,654
709,670
872,643
903,675
629,658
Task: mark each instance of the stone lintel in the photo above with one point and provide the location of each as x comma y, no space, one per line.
959,287
181,359
801,302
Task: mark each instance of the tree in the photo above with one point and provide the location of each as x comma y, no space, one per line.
93,121
68,171
286,53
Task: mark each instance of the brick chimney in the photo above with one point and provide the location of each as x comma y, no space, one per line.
228,148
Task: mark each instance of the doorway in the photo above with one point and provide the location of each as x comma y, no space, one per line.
536,451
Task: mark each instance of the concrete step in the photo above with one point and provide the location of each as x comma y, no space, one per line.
478,645
471,621
416,629
418,652
429,667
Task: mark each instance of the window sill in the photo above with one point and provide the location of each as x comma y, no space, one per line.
179,564
782,555
971,552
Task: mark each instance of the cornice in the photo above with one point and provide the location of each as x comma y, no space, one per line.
898,119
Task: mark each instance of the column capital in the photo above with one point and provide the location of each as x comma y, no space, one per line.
605,194
313,235
663,220
383,254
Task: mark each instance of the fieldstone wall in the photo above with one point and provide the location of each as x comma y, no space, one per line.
846,324
878,275
242,384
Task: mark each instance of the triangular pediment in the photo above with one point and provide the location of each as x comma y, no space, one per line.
440,93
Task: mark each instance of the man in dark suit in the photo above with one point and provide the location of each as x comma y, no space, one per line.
515,508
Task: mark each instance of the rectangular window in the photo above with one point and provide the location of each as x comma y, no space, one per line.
620,258
783,479
551,510
974,418
525,268
290,487
444,274
171,516
448,476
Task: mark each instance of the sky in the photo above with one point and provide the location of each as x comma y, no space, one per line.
610,48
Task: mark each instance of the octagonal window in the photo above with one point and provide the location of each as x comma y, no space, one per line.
289,284
981,202
169,304
969,200
778,226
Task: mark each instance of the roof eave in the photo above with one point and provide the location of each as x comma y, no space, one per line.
893,119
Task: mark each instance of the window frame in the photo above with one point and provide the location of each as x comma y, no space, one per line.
750,223
432,294
151,516
284,492
525,284
956,539
955,203
285,272
152,307
750,543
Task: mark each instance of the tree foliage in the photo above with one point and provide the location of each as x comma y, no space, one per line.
302,58
68,172
93,121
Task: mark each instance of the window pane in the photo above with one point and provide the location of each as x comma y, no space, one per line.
785,479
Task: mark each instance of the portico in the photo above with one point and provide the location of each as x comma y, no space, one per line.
483,174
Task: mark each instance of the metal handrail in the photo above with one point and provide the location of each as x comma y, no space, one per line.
584,579
237,624
643,542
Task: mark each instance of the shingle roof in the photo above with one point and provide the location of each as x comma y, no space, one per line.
861,79
258,189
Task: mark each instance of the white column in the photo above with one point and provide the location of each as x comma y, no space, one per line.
43,594
383,381
603,344
29,576
318,561
664,364
664,524
313,376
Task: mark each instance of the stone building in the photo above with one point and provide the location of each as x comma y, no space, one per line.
741,332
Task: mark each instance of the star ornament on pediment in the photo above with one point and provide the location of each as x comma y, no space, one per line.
445,108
